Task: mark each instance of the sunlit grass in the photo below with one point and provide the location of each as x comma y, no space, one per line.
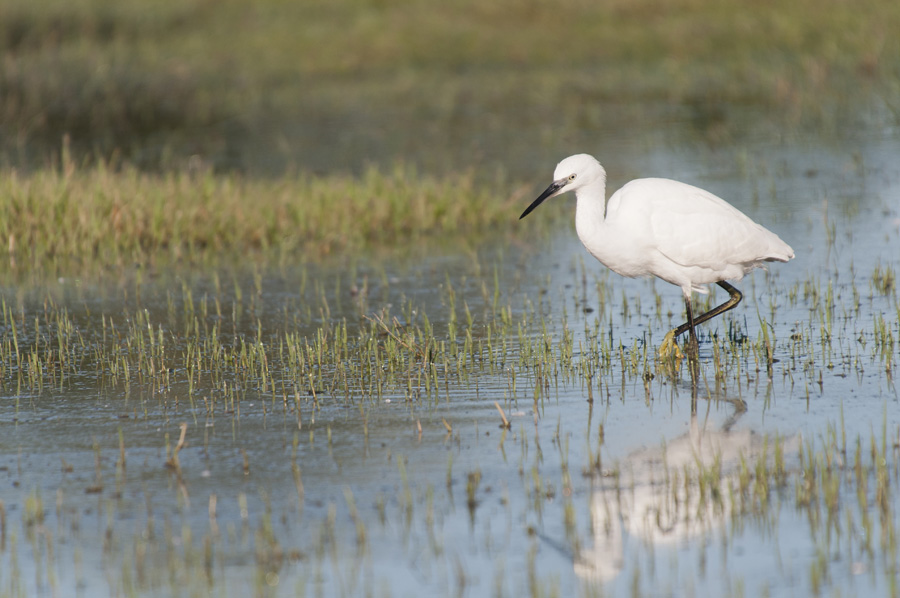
97,216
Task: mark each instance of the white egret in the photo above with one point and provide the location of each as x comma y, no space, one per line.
660,227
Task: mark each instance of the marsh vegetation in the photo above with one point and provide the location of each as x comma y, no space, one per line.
269,325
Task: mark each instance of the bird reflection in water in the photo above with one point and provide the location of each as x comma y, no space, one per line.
657,499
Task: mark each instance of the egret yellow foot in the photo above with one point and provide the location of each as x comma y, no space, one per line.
668,347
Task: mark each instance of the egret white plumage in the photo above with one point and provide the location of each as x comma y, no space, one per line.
659,227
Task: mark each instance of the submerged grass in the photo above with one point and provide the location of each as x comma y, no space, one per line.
218,350
835,501
210,355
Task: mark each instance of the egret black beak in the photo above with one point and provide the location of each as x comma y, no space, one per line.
550,191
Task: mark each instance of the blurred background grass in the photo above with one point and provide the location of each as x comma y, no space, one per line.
141,130
273,86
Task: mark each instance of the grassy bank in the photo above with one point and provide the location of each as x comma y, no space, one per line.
96,216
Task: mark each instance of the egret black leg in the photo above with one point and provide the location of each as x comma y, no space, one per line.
733,300
693,344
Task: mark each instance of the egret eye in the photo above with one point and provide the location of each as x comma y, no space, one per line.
572,177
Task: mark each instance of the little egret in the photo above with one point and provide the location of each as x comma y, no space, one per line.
660,227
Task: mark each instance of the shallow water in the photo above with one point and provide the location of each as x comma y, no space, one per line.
341,488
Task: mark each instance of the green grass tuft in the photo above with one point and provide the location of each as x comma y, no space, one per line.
98,216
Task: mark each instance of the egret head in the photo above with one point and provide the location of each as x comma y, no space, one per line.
571,174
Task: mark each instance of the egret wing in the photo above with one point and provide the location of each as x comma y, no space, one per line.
694,228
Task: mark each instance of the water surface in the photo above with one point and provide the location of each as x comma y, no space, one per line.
339,487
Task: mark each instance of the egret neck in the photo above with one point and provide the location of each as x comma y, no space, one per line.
590,213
